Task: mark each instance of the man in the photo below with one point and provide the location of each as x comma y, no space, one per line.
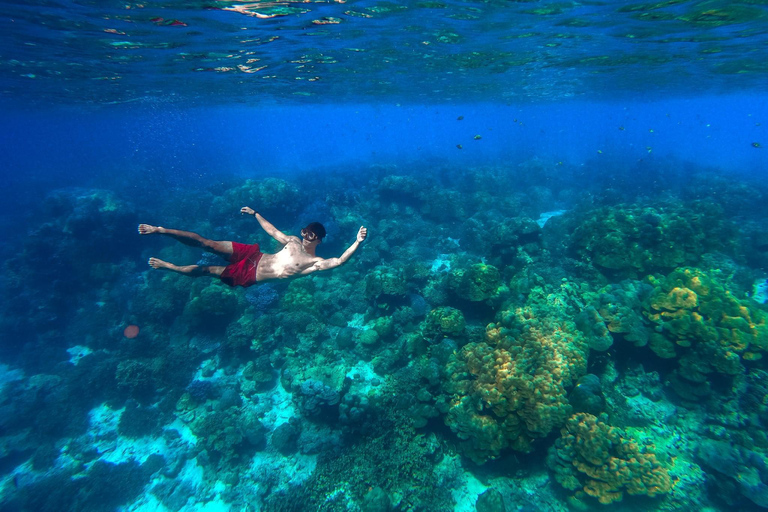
248,265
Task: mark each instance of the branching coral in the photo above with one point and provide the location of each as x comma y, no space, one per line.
596,459
511,388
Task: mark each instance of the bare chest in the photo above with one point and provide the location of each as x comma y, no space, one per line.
290,260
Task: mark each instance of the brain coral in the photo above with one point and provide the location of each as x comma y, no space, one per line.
511,388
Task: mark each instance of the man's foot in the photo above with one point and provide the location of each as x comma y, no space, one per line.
160,264
146,229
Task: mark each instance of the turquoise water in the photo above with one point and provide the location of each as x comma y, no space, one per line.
560,303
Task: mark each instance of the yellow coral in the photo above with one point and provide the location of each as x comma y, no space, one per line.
606,462
690,309
511,388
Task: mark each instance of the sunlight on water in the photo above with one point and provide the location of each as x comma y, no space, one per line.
370,51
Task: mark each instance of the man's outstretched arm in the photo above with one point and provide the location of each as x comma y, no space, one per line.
266,225
335,262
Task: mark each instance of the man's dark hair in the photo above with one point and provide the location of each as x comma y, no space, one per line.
316,228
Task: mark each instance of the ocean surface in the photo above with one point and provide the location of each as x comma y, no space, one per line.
561,303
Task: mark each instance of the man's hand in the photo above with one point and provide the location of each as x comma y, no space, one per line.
361,234
248,210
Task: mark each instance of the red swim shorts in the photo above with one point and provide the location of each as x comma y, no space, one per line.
242,268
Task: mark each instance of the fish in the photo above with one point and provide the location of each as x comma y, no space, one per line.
460,118
477,137
757,145
459,146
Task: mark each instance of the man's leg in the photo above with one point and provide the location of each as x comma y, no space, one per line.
188,270
223,249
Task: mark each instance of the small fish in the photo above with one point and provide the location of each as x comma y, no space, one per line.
460,118
621,128
757,145
477,137
599,151
459,146
648,148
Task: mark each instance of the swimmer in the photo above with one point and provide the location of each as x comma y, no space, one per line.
247,264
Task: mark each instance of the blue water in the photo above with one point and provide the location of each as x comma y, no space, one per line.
567,247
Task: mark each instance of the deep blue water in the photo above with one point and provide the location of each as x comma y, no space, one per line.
452,130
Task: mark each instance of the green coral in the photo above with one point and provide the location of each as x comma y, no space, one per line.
445,321
299,296
215,301
224,433
385,281
636,240
477,283
268,196
615,311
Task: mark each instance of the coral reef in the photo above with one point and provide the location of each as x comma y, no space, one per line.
597,460
511,389
633,240
461,327
477,283
705,327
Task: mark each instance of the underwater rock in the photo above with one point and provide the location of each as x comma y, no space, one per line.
137,421
277,199
744,469
385,281
260,372
319,439
376,500
262,297
490,500
400,188
760,291
587,395
201,390
285,437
